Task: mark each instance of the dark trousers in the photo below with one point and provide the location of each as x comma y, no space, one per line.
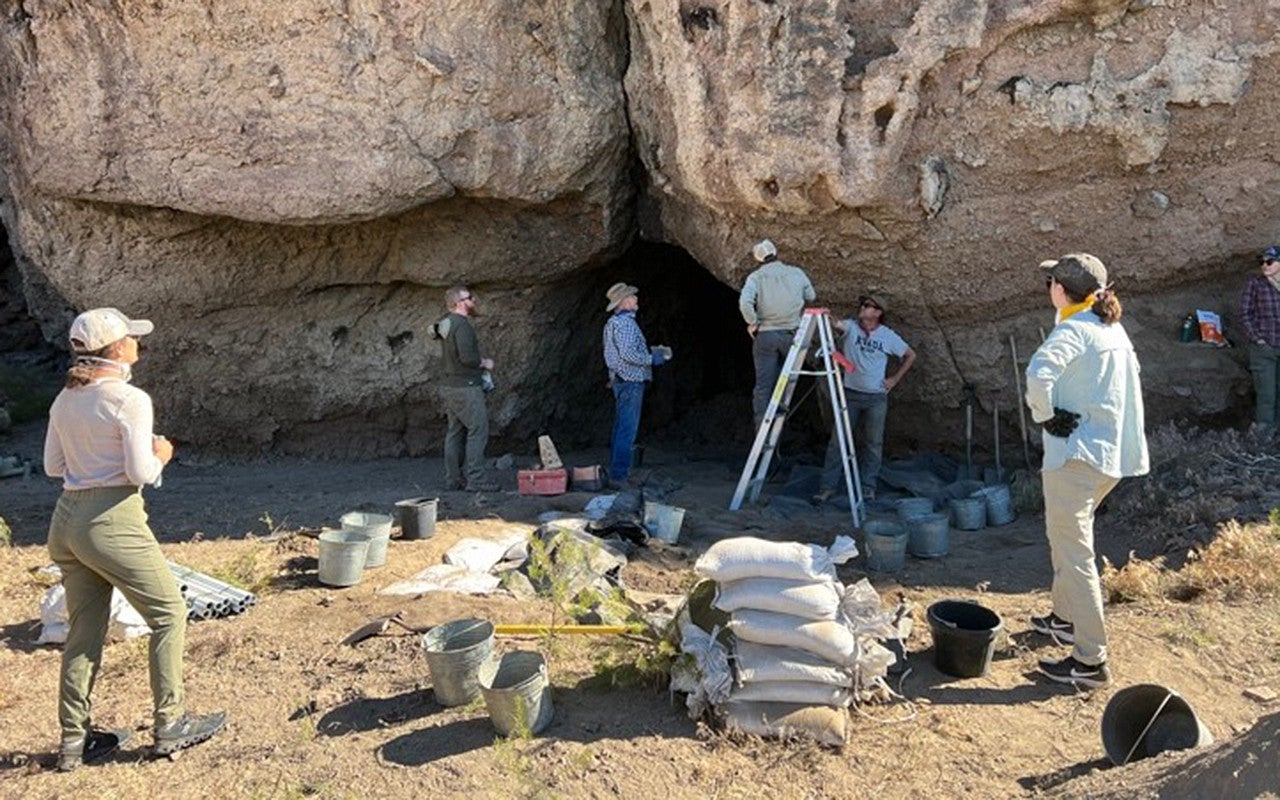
769,349
1264,361
628,397
468,434
871,409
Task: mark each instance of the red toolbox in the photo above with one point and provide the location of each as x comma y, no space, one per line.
542,481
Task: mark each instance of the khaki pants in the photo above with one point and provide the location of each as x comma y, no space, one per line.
100,539
1071,496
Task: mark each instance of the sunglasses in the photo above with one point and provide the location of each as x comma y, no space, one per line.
1267,261
1049,282
869,304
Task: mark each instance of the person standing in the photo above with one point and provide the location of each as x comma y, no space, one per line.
868,343
630,362
1083,386
1260,310
462,394
100,444
772,302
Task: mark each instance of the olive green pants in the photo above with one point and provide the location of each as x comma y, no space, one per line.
100,539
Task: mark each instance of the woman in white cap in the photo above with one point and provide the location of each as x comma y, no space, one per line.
1082,385
100,443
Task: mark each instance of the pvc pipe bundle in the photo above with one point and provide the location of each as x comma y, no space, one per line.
209,598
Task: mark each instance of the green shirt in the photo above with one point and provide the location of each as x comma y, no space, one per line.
774,296
460,352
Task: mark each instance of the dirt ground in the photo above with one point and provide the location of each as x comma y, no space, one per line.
312,718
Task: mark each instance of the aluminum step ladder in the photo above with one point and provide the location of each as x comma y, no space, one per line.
816,322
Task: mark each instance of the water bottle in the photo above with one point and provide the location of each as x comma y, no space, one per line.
1189,332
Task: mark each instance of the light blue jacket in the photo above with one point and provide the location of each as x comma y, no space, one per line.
1090,368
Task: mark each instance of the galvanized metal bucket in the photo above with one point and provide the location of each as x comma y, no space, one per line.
377,527
999,504
969,513
517,693
663,522
342,557
455,651
417,517
886,545
927,535
909,507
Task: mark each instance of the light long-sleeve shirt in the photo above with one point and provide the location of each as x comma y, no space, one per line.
626,353
773,297
1090,368
101,435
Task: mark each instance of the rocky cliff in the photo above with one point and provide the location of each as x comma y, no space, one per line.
287,189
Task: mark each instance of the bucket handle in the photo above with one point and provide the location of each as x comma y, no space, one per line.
1143,735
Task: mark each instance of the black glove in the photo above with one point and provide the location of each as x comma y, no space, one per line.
1062,423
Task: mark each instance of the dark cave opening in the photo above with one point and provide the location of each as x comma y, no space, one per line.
702,399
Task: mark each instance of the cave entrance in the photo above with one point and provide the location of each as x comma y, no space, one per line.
701,400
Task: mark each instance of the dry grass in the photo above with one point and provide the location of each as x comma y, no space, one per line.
1242,563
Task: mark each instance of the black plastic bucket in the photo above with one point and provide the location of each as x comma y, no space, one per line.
964,637
1145,720
417,517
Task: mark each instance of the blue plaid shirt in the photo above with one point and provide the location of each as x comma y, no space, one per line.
626,353
1260,308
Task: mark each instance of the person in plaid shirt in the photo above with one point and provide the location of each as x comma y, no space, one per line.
1260,309
630,363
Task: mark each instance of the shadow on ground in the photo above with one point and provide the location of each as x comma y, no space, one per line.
21,636
579,717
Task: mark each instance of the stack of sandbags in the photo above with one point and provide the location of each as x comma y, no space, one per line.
801,644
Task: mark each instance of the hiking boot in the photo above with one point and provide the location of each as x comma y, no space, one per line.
1068,670
822,496
97,745
187,732
483,486
1055,627
454,486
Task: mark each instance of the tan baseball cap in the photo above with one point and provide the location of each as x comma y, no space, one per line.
99,327
1079,273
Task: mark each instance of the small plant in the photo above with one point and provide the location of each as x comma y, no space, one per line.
6,534
245,572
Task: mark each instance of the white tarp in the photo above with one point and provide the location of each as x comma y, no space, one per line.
125,621
469,566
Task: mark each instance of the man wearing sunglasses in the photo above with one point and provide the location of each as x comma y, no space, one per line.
462,394
1260,310
868,343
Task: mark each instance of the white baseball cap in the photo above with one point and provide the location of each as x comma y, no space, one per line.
99,327
764,249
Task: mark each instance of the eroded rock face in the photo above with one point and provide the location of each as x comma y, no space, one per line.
286,189
936,151
312,111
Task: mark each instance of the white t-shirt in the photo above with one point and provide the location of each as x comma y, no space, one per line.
870,353
101,435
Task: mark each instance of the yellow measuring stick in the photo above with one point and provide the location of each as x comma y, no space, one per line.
542,630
